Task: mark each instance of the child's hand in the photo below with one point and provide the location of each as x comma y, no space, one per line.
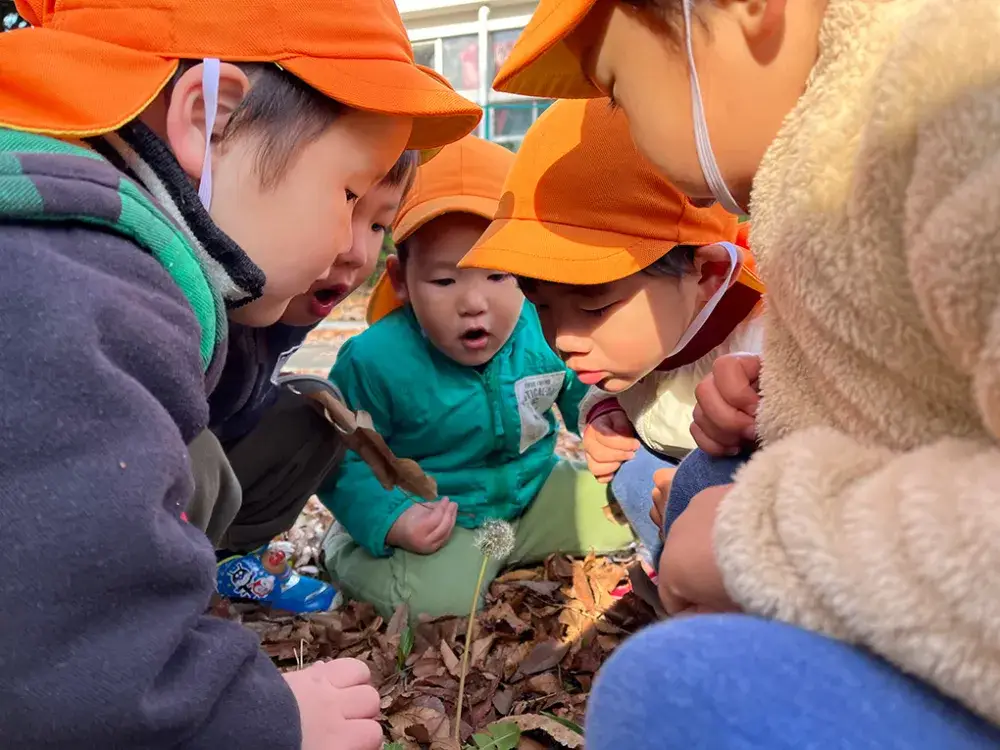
608,442
338,706
727,405
662,478
424,528
690,580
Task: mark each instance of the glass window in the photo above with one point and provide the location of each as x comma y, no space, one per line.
423,53
460,61
509,121
501,43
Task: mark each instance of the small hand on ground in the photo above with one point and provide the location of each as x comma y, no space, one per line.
338,706
424,528
608,442
663,479
690,581
724,417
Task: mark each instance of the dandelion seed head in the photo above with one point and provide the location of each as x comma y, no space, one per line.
495,538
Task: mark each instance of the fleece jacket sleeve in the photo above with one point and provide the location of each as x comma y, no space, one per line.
104,640
899,551
355,497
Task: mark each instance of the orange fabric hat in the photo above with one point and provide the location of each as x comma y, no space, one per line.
582,206
542,63
464,177
90,66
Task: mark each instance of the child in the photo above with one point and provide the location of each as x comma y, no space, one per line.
638,297
869,134
279,447
460,380
120,271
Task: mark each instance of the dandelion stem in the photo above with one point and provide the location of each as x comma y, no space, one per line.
468,649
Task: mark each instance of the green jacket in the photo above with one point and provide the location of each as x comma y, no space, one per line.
487,435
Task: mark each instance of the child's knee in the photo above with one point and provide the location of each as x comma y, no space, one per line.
698,472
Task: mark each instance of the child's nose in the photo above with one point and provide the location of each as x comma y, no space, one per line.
472,302
568,343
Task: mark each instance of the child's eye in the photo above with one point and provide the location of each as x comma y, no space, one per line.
600,312
442,282
352,197
379,228
498,276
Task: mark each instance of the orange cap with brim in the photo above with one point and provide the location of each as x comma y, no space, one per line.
542,63
464,177
90,66
582,206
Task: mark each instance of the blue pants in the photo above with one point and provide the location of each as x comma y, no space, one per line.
633,489
698,472
732,682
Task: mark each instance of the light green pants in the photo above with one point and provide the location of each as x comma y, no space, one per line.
568,515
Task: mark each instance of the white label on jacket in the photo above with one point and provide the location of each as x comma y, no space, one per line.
535,396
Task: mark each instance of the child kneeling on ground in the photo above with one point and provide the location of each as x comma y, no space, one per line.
459,379
638,290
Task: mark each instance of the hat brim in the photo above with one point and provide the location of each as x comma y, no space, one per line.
391,87
71,85
420,214
541,64
383,300
563,254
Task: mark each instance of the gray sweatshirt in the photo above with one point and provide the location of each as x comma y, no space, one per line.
104,637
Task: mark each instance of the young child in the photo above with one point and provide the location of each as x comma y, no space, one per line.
460,380
638,298
204,187
278,446
869,134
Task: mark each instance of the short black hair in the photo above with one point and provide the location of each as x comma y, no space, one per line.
404,171
285,112
677,263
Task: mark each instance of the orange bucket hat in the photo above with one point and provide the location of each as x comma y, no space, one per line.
90,66
542,63
464,177
582,206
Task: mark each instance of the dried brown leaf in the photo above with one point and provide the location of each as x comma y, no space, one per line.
560,733
581,588
502,700
419,723
451,662
543,656
480,649
545,683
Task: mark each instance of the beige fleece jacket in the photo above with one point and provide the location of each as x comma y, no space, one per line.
872,513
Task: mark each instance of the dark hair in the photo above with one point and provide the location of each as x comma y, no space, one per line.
669,14
285,112
676,264
403,172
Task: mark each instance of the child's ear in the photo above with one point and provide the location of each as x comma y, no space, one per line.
186,113
763,24
711,265
397,277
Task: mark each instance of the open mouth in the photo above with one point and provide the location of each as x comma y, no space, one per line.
324,300
475,338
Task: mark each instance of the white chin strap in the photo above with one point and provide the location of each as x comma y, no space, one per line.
210,91
706,157
708,309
